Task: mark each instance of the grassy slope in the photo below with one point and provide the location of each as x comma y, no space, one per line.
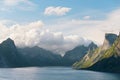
97,55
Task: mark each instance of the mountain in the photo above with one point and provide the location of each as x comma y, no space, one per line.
105,58
37,56
9,55
77,53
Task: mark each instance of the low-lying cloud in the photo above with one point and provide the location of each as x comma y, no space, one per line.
33,34
91,29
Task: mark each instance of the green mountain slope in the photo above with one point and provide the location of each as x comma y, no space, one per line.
104,58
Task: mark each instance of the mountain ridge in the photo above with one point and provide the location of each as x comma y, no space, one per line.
102,59
9,55
77,53
36,56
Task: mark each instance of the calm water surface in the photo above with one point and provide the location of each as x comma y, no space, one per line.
53,73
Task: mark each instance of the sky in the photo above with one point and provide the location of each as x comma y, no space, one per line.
58,25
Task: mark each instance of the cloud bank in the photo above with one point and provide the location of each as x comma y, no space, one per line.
91,29
33,34
59,11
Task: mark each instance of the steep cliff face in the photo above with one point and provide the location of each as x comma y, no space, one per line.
105,58
109,40
110,61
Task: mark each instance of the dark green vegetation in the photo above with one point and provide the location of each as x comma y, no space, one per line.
11,56
105,58
36,56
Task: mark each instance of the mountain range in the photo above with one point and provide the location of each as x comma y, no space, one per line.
11,56
105,58
77,53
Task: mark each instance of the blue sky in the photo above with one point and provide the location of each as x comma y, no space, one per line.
79,8
58,25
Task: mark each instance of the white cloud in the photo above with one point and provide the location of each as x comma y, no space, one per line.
60,43
88,29
56,10
12,2
33,34
16,2
9,5
7,22
86,17
91,29
17,31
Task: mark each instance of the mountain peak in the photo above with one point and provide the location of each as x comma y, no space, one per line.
9,39
9,42
92,46
110,37
105,58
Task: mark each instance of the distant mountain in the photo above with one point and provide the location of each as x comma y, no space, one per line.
37,56
77,53
105,58
9,56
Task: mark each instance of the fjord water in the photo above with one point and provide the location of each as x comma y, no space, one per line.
54,73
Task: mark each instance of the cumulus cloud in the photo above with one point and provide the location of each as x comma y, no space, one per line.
59,11
33,34
60,43
19,32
